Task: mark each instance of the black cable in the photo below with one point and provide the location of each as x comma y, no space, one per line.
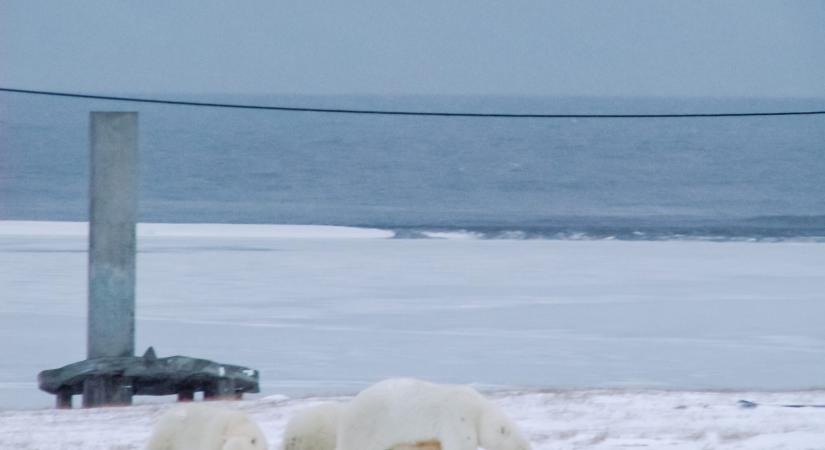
407,113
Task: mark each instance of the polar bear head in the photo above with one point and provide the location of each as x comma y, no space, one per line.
498,432
243,435
313,429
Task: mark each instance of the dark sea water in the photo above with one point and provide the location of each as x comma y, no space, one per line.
757,178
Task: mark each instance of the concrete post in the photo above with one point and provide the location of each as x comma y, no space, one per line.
112,244
64,399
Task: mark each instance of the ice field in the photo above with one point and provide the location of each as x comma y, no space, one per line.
601,344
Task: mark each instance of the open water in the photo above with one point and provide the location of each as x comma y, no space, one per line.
759,178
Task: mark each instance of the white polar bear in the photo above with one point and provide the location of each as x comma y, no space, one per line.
316,428
408,411
201,427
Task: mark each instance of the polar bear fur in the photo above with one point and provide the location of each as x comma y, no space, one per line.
316,428
313,428
201,427
406,414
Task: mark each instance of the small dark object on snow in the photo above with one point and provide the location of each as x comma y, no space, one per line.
747,404
149,375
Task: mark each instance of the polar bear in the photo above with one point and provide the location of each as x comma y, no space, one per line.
316,428
201,427
408,411
313,428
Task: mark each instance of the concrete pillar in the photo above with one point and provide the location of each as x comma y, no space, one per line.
112,243
186,395
107,391
64,399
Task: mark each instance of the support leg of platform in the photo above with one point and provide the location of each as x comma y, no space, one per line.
186,396
64,399
107,391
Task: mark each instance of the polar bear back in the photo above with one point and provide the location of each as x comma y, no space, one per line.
200,427
402,412
316,428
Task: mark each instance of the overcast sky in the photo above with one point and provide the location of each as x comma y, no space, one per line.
527,47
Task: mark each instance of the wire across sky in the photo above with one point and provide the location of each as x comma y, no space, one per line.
404,113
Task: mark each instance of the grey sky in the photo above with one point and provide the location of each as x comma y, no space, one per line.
529,47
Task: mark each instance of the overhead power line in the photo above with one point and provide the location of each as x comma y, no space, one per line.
405,113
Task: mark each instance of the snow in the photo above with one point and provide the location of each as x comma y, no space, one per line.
326,311
552,420
45,229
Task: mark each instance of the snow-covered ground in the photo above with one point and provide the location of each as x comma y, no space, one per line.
555,420
328,310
